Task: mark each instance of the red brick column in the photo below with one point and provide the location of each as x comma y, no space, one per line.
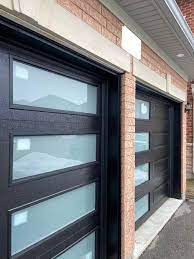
189,134
187,8
127,165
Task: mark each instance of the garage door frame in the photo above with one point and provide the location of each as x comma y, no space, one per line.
17,35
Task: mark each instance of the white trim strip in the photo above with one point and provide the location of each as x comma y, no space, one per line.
164,85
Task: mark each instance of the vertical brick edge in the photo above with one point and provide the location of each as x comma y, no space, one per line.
189,151
127,165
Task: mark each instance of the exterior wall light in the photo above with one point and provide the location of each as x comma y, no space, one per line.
180,55
188,107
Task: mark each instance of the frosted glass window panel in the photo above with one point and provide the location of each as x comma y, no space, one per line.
141,174
37,87
32,224
141,142
141,207
142,109
33,155
85,249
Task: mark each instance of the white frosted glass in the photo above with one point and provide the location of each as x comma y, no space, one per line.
141,207
142,109
141,142
34,223
141,174
37,87
85,249
33,155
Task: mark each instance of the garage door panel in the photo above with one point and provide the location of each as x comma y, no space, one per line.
161,192
46,128
4,161
160,110
4,79
160,126
160,139
52,130
50,119
160,165
159,180
63,249
55,213
31,85
143,126
157,125
62,240
45,187
151,185
70,94
142,190
148,156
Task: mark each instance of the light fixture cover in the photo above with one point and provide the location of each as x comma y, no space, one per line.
180,55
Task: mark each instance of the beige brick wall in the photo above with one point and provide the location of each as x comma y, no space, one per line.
97,16
127,164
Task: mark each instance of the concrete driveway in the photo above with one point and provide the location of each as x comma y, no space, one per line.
176,240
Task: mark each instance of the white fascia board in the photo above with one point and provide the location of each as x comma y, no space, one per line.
177,93
122,15
148,76
56,23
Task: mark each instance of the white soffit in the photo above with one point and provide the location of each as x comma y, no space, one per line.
149,23
163,21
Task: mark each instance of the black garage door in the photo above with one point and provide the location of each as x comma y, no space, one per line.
154,147
55,156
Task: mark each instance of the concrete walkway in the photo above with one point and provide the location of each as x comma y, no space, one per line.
176,240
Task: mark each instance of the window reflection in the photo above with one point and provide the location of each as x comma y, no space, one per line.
141,142
36,87
35,155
